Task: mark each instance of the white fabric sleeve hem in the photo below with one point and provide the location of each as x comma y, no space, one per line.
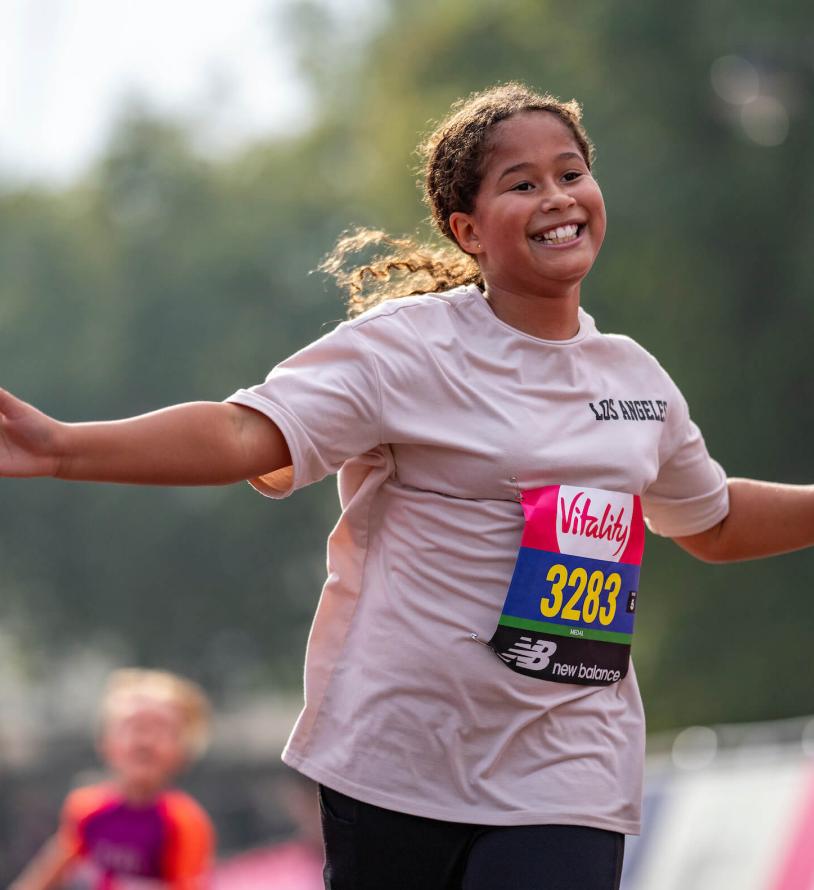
281,483
692,516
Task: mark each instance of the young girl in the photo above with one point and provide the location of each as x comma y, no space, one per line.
134,830
497,457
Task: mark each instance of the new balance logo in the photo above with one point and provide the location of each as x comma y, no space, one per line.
531,656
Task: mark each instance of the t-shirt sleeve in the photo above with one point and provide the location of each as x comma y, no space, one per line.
690,493
190,849
79,805
73,810
326,401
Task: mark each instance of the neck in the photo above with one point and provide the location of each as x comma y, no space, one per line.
548,317
137,793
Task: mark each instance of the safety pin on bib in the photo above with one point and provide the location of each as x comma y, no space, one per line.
518,495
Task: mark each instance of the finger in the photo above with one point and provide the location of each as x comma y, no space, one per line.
10,406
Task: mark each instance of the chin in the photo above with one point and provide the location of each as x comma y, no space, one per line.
144,779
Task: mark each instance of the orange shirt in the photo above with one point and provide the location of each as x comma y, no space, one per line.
170,839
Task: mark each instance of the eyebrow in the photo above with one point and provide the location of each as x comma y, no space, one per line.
563,156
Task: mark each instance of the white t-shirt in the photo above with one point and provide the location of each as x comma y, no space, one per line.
434,412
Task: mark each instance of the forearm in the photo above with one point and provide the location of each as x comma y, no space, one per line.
46,869
765,519
198,443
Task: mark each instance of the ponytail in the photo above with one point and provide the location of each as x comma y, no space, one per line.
404,268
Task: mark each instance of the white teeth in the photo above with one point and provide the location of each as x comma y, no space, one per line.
558,235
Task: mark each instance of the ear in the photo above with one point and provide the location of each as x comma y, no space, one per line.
465,231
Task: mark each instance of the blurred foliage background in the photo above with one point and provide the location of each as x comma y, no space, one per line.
162,276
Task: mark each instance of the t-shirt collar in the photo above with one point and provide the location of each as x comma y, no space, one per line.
587,326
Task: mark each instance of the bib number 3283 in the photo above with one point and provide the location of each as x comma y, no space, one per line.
571,604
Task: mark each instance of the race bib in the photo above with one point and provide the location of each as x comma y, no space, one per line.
569,612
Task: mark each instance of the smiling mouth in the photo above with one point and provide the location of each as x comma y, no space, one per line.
560,235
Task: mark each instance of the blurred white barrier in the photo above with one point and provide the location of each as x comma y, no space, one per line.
730,819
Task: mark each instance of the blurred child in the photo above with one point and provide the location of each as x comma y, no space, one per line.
133,829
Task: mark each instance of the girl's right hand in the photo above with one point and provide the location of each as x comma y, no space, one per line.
29,439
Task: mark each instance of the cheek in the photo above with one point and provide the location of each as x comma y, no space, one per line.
172,755
603,225
600,221
110,745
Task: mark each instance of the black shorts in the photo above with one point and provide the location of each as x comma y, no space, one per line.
370,848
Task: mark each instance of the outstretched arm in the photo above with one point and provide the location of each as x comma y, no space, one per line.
765,518
46,868
198,443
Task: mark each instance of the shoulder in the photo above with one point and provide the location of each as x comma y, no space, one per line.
190,844
419,311
390,328
83,802
81,807
403,333
621,347
184,811
624,344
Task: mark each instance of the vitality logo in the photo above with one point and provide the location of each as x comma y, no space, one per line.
593,522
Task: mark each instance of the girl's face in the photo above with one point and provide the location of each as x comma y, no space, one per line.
539,217
144,745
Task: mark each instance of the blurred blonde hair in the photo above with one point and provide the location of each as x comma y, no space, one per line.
128,685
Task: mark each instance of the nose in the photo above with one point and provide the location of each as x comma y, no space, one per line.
556,198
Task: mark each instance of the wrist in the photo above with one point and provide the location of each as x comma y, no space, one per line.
63,447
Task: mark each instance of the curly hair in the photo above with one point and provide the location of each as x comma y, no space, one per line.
455,156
